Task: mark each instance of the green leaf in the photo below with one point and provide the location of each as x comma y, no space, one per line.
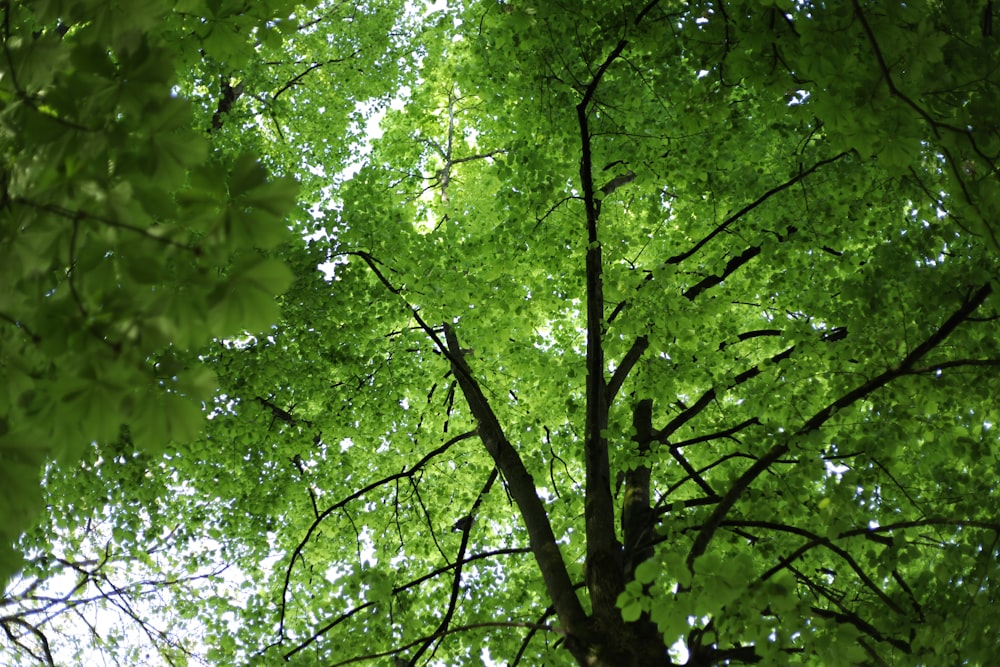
247,301
646,572
159,419
247,174
632,611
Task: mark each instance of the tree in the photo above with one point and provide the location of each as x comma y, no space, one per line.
651,334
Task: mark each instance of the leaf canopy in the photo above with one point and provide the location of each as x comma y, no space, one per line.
619,334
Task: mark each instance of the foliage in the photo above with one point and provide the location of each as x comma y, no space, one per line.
649,334
125,242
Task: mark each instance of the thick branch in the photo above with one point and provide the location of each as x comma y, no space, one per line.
604,568
814,541
723,226
228,94
519,481
689,413
905,367
522,489
315,66
628,361
862,625
711,281
676,259
277,412
724,433
636,511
